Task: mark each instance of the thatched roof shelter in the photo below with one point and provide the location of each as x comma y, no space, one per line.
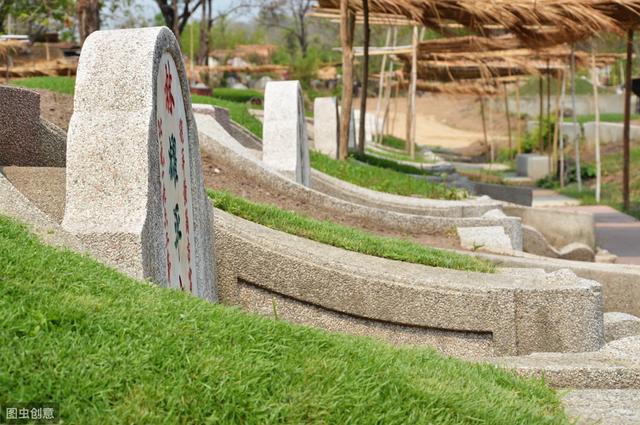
12,47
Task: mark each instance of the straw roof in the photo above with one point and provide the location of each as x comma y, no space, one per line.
457,88
518,16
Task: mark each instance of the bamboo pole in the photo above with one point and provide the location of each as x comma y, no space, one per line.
561,125
506,108
411,107
576,141
381,89
549,135
365,79
594,82
484,121
518,118
556,135
346,40
541,113
627,119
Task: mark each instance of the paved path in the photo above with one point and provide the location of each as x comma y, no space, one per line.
548,198
616,232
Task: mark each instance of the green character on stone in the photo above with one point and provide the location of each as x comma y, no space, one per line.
173,160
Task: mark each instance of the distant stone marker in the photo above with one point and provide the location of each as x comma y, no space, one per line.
284,135
325,125
135,191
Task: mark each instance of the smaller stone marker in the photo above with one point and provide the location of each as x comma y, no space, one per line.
353,141
135,191
532,165
284,134
325,125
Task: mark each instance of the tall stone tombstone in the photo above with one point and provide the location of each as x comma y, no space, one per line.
285,146
135,191
326,125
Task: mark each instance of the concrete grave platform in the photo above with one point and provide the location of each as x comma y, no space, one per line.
135,192
25,138
460,313
610,132
220,144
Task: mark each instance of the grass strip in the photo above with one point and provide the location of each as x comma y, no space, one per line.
382,179
390,164
111,349
346,237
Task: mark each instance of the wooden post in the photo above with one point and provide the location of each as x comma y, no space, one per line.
381,86
518,118
411,95
561,125
627,119
506,108
549,135
484,121
556,135
576,142
594,82
541,114
365,79
346,40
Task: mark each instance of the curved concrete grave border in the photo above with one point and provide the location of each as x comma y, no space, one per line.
461,313
25,138
135,191
219,143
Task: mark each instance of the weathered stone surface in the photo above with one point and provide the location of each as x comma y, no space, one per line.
502,192
532,165
491,238
577,251
25,139
455,311
284,135
603,407
620,325
325,125
135,192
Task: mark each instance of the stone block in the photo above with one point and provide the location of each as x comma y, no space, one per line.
135,191
491,238
501,192
325,125
620,325
284,135
532,165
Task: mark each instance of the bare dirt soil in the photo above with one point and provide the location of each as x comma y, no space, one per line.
58,109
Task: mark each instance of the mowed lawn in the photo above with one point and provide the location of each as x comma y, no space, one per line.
110,349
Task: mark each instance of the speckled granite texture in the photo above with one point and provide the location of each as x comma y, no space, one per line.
113,200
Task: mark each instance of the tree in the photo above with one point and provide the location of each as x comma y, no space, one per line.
37,14
176,13
279,13
88,12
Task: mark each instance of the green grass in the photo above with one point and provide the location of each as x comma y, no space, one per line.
382,179
612,117
346,237
611,191
389,164
63,85
393,142
237,95
111,349
239,112
397,156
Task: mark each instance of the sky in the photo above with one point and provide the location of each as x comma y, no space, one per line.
149,8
